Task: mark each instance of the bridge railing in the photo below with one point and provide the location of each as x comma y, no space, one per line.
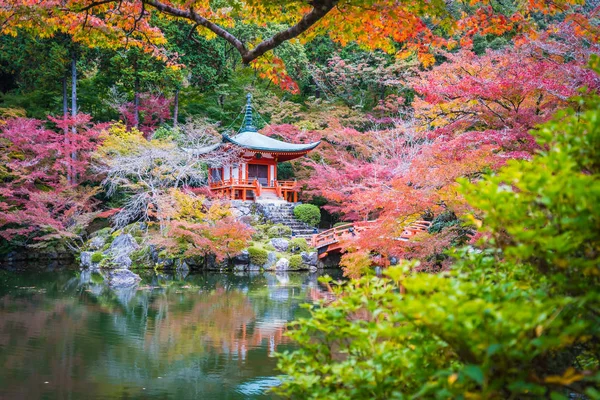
335,234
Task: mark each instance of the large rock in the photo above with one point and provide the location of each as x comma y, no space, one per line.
282,265
182,266
213,265
253,267
123,244
182,270
195,262
121,261
122,278
86,258
242,259
120,250
97,243
271,260
280,244
309,258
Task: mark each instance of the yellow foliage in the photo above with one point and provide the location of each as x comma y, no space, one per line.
569,377
120,140
7,113
188,207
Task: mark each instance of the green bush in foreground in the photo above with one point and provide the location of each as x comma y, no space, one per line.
257,256
308,213
518,319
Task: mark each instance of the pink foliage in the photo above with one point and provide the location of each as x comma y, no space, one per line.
501,95
36,196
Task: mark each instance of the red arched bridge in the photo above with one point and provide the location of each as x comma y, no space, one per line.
328,241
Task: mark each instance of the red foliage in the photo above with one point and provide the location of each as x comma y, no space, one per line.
153,110
472,112
493,100
36,197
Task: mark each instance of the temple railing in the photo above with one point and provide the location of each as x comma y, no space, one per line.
232,182
288,190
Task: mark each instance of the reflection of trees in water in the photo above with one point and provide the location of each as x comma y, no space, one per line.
197,335
38,342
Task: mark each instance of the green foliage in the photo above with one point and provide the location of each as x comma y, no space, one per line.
257,256
141,256
298,245
516,319
269,247
97,257
285,171
279,230
443,220
295,261
308,213
261,232
166,133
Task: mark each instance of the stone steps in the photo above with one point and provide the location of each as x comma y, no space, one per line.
284,214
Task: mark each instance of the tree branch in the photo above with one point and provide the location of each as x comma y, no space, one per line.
320,9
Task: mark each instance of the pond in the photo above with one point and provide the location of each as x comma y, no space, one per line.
65,335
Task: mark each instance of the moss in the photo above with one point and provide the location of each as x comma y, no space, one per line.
97,278
295,261
141,256
298,245
261,232
257,256
269,247
279,230
97,257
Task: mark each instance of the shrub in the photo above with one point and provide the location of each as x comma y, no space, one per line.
295,261
308,213
257,256
298,245
97,257
279,230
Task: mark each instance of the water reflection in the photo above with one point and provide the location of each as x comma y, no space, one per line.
206,336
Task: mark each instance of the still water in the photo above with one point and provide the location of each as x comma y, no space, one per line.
66,335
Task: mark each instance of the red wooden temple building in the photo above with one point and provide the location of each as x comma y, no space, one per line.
254,176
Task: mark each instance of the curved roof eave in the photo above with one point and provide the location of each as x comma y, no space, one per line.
256,141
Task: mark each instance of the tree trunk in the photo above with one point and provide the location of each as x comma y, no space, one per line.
136,98
74,107
66,129
176,108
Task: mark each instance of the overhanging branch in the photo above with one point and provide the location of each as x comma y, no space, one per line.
320,9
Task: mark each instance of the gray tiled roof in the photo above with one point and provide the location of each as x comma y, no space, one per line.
256,141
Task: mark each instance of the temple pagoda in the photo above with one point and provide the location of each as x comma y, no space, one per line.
254,175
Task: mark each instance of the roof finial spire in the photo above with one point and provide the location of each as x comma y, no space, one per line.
248,125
